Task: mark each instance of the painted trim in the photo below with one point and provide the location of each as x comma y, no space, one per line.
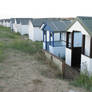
49,38
60,35
46,40
67,39
53,39
43,36
83,44
91,47
72,39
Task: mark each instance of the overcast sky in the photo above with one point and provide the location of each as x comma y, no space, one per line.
45,8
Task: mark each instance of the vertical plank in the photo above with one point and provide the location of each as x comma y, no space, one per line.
49,37
60,35
91,47
72,39
83,44
67,39
46,39
53,38
43,35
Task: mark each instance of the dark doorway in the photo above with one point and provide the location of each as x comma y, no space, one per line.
76,57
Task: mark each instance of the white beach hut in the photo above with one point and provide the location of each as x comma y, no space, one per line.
79,44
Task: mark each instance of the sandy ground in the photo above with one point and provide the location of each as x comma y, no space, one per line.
20,72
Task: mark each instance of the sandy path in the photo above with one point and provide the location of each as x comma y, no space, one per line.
20,72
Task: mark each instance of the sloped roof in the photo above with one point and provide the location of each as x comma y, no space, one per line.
86,22
23,21
37,22
12,20
59,25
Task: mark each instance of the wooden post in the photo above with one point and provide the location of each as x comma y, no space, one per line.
60,36
46,40
53,39
91,47
43,35
83,44
72,39
49,37
67,39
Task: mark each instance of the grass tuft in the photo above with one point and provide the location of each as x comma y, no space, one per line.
5,32
2,28
26,46
1,55
83,81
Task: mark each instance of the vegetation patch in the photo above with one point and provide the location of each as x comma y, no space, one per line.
2,49
2,28
83,81
6,33
26,46
1,55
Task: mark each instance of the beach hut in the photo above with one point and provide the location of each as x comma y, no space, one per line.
24,26
79,44
54,36
35,32
15,24
7,22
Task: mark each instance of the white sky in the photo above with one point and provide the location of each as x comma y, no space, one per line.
45,8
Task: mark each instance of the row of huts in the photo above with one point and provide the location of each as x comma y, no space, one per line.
72,41
29,26
69,39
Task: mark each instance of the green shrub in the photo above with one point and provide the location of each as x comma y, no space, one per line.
83,81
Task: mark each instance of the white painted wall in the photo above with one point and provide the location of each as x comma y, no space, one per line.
0,23
47,36
3,22
38,34
90,67
58,51
31,30
17,28
86,64
7,24
68,56
87,45
44,46
35,33
14,28
24,29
